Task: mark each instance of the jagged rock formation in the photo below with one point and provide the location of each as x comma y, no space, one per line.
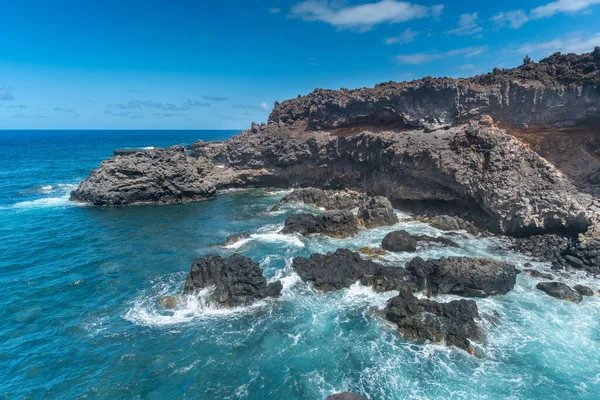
377,211
559,90
452,324
234,281
403,241
342,269
332,223
326,199
472,277
359,140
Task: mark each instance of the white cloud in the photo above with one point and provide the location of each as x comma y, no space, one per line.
562,6
6,94
515,18
467,25
407,36
574,44
365,16
274,10
265,106
422,58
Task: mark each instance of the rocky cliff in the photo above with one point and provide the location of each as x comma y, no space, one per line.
427,144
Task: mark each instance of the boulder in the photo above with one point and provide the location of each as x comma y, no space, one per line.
452,324
560,291
473,277
234,281
377,211
326,199
332,223
342,269
398,241
168,302
445,223
584,290
574,261
346,396
231,239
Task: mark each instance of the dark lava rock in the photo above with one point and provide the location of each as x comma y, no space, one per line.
537,274
346,396
342,269
399,241
584,290
574,261
274,208
168,302
377,211
327,199
560,291
445,223
231,239
452,324
332,223
403,241
476,277
237,280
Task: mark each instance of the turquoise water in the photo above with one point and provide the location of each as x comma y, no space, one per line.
79,317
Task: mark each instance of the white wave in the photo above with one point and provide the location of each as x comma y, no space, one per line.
290,240
148,148
63,190
46,188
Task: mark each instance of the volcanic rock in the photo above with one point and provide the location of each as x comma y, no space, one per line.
346,396
399,241
584,290
342,269
234,281
332,223
377,211
474,277
537,274
560,291
326,199
452,324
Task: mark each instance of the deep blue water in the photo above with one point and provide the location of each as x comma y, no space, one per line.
79,289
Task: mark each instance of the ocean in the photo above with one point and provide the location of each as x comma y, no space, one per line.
80,285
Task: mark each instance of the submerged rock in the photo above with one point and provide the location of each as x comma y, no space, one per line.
342,269
474,277
399,241
346,396
560,291
326,199
537,274
452,324
583,290
377,211
332,223
233,281
231,239
168,302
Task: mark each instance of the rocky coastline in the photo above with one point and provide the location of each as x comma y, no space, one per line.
450,151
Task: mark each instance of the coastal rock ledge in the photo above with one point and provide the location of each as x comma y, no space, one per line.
426,144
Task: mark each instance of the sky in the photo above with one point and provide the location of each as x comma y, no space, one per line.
200,64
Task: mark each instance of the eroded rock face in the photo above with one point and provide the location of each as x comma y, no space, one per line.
452,324
377,211
473,277
402,241
157,176
529,95
560,291
235,280
342,269
326,199
332,223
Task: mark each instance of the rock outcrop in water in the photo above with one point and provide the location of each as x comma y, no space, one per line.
346,396
560,291
384,141
472,277
452,324
332,223
232,282
342,269
326,199
399,241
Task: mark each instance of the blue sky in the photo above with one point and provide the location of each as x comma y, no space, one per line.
129,64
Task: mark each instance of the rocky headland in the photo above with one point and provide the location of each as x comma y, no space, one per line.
498,153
